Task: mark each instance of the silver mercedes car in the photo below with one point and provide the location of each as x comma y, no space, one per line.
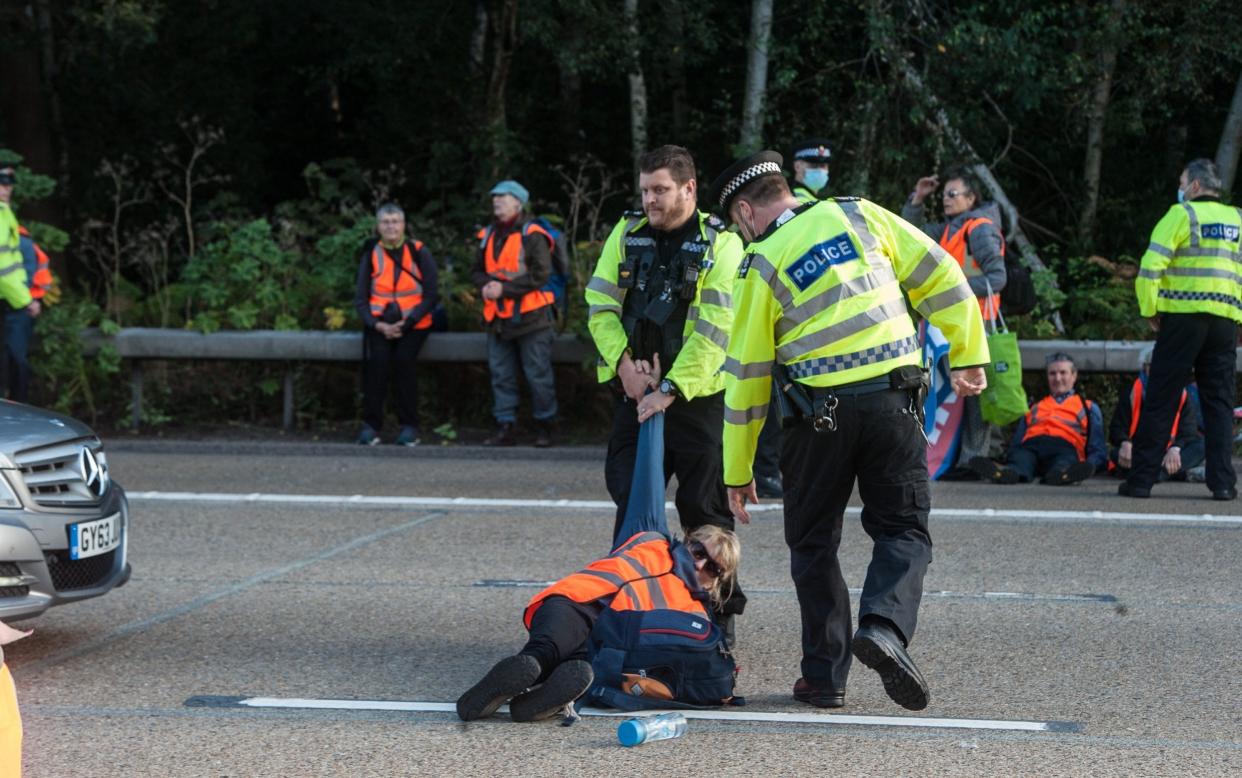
64,524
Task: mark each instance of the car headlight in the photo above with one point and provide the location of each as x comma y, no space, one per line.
8,498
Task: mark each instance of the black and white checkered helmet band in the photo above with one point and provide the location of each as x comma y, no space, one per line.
813,152
749,174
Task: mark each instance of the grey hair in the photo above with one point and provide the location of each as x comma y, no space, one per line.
387,209
1204,171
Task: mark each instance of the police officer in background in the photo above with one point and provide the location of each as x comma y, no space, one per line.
1190,292
810,169
660,314
14,291
820,289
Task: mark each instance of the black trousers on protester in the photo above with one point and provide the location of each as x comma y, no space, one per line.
692,452
387,360
1040,455
559,631
1209,345
879,443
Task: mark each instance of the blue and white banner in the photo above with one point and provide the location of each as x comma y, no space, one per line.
943,410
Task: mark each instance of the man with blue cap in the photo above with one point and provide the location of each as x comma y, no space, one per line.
513,264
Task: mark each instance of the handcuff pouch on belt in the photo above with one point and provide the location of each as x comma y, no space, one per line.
797,402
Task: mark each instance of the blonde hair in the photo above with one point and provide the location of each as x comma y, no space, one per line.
728,556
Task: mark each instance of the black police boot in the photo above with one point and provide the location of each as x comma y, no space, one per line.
769,486
879,647
819,696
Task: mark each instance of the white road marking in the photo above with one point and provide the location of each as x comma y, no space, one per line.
714,715
413,502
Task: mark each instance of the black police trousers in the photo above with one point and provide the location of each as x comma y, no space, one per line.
692,451
879,443
1208,344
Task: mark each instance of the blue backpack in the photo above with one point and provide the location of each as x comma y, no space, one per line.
558,281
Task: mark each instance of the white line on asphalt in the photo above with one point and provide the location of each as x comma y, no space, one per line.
715,715
969,514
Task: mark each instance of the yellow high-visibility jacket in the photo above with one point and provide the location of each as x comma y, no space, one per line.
14,286
697,370
821,292
1193,264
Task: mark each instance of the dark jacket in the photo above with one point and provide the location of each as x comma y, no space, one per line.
362,290
985,241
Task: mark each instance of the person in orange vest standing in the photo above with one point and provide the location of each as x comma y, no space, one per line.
19,322
513,265
1185,448
971,234
1060,440
395,296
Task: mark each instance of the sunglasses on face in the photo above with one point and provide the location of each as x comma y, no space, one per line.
699,552
950,194
7,179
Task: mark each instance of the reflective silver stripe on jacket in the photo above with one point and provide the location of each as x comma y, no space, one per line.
1203,272
1194,224
653,584
746,416
928,264
812,341
797,315
1215,253
606,287
1156,248
594,309
11,269
929,306
712,332
639,539
840,362
716,297
612,578
744,370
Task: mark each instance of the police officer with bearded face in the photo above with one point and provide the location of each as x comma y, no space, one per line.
821,291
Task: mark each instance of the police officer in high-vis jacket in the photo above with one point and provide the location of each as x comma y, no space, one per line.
660,314
1190,290
820,289
810,169
14,289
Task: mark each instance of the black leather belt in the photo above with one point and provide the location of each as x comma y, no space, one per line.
869,386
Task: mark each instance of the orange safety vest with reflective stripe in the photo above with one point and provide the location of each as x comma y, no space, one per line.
510,264
41,280
1136,404
406,290
1067,420
959,246
638,576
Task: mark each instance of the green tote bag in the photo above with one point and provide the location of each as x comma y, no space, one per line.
1004,400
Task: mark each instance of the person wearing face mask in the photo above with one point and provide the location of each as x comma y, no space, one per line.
660,312
971,235
810,169
822,289
1190,291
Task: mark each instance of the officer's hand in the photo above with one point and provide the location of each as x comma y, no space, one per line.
654,370
1154,323
739,496
925,186
34,309
1172,460
634,381
1124,452
653,403
969,382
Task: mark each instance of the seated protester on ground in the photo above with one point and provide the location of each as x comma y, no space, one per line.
1060,440
555,660
1185,448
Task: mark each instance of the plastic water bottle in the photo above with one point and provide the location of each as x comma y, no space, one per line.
635,732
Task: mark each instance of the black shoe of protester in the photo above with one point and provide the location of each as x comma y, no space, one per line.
1079,471
567,683
769,487
543,434
510,677
1127,489
504,436
877,646
819,696
1225,494
990,471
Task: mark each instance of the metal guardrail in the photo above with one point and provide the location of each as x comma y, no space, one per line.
141,343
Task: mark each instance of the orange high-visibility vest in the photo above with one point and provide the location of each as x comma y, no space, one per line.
406,292
1067,420
638,576
510,264
959,246
41,280
1136,404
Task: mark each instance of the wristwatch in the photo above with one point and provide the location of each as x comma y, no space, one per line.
669,388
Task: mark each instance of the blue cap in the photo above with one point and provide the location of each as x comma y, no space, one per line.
511,187
631,732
